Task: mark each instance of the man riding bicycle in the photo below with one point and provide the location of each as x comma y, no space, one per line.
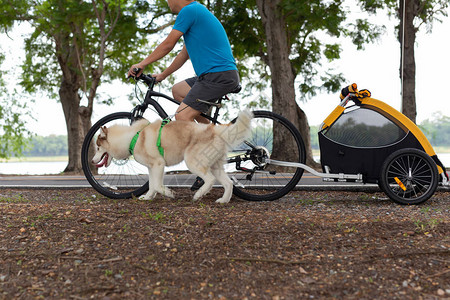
207,45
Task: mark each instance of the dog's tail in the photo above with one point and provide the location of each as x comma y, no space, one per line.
235,133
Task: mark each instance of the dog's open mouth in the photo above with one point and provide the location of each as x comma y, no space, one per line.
103,160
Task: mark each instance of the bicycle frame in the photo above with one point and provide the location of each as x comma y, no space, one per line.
139,110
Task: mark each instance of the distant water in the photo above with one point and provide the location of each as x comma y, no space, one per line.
48,168
32,168
51,168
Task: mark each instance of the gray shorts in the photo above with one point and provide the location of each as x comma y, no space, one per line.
210,87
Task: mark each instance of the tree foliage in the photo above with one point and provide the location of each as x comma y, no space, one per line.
310,29
413,15
52,145
14,134
66,28
75,46
427,11
437,130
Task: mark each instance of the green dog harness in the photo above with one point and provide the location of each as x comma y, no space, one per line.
133,142
158,142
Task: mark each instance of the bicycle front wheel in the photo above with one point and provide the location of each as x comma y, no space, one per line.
123,178
273,136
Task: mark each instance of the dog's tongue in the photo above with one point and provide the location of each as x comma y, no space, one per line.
103,161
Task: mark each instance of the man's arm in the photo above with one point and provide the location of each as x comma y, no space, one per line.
177,63
162,50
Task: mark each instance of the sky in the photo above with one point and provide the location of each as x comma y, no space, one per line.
375,68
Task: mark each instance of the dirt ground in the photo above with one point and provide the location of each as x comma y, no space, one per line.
76,244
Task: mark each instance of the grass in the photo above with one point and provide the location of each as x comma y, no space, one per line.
157,216
427,223
14,199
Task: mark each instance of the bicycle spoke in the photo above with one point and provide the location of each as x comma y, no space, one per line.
253,178
123,178
417,173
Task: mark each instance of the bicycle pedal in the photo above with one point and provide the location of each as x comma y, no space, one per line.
197,184
236,182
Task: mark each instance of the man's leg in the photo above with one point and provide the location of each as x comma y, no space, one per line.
185,112
180,90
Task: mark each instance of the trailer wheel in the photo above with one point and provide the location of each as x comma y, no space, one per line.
409,176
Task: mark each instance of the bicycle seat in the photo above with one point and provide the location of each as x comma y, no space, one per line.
237,89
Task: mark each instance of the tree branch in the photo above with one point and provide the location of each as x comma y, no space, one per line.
159,28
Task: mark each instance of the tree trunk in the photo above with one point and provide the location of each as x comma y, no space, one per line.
85,115
303,126
78,122
408,64
282,79
70,54
70,101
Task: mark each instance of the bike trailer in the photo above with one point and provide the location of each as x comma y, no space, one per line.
373,139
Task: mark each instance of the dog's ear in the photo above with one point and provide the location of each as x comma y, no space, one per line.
103,132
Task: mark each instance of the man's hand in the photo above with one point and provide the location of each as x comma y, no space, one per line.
132,72
159,77
162,50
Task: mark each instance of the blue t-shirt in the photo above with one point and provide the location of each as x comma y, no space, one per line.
205,39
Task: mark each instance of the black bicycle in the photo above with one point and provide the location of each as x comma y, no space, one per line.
273,136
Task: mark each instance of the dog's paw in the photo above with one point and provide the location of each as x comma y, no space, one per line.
197,197
222,200
169,193
148,196
144,198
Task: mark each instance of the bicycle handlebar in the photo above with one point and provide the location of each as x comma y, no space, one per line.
148,80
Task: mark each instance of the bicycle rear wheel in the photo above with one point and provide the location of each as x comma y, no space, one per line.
123,178
273,136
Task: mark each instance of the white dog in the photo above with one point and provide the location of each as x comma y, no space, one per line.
203,147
